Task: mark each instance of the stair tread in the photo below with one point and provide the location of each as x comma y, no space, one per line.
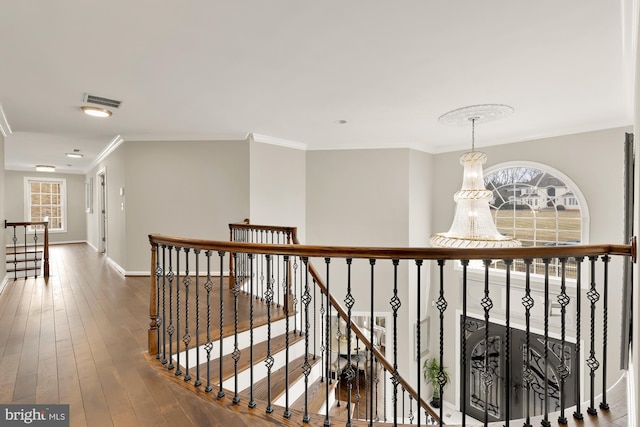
259,354
278,383
316,396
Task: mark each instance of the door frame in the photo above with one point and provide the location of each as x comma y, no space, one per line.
101,180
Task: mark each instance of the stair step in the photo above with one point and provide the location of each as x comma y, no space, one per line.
259,355
278,386
316,397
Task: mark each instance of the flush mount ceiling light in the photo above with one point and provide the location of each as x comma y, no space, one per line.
74,155
45,168
95,111
473,225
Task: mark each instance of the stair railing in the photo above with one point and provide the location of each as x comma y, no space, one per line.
24,254
178,262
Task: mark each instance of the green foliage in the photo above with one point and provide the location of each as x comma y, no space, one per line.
430,371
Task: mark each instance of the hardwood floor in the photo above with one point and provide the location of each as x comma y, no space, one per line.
79,339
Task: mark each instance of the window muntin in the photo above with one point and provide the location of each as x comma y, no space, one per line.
45,199
537,207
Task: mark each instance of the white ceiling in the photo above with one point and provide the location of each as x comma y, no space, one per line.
289,69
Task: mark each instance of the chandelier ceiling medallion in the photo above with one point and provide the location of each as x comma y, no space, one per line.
473,225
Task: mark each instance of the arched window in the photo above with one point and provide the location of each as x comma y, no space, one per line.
537,205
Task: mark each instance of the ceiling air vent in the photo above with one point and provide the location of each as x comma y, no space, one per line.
100,100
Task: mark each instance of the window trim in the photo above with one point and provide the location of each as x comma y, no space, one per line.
63,199
582,201
498,275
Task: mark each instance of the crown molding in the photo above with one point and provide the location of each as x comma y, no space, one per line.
111,146
265,139
5,129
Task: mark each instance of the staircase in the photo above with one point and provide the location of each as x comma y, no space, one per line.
266,369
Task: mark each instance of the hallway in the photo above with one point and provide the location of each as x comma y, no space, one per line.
79,339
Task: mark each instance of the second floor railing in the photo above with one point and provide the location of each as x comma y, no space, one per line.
359,357
27,254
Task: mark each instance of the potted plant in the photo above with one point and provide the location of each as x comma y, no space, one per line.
431,370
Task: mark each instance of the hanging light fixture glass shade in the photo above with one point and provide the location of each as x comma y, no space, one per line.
473,225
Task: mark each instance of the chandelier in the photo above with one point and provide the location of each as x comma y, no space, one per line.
473,225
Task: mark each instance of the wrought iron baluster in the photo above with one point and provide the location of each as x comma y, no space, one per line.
26,249
395,306
327,341
208,286
269,359
441,304
486,376
372,263
237,284
262,259
418,325
221,323
577,414
164,305
187,335
287,412
303,283
178,371
35,251
411,416
507,344
338,370
605,323
15,255
592,362
171,328
563,369
375,401
545,420
463,336
322,331
315,322
527,375
403,400
198,381
295,296
159,320
349,374
252,402
277,272
306,299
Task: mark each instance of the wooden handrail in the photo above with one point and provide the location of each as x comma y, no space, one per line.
401,253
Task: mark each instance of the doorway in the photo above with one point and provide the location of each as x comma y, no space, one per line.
102,211
477,399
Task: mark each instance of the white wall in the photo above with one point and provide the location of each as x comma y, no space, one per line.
188,189
378,197
277,195
76,228
180,188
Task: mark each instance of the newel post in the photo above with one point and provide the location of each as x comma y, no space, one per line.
153,303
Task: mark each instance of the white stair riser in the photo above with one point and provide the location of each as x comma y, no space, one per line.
259,334
260,369
297,388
